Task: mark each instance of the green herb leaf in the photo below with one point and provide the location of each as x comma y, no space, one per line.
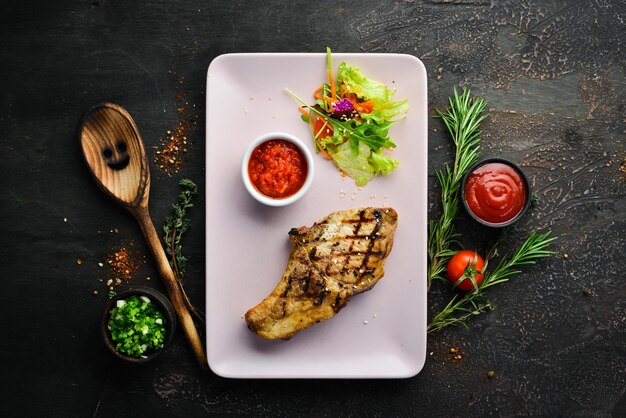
175,226
462,120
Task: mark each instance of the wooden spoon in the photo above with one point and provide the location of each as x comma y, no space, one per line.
115,154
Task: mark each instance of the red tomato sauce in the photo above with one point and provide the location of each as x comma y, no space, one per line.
277,168
495,192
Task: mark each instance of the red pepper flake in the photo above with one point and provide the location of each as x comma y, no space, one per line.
174,144
123,262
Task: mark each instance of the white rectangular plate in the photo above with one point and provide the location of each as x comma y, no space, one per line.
380,333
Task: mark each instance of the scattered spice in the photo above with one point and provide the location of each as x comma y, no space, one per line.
123,263
79,261
95,293
565,255
456,355
174,143
490,374
586,291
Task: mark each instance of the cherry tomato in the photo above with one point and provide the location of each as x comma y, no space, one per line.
462,266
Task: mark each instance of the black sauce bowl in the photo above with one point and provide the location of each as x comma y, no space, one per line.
163,305
522,176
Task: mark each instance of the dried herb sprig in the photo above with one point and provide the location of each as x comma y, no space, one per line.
462,119
462,307
175,226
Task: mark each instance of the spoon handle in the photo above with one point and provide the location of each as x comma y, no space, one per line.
171,284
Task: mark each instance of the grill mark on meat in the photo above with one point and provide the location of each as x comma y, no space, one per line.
372,240
288,286
331,256
349,253
285,293
339,303
361,219
337,240
360,222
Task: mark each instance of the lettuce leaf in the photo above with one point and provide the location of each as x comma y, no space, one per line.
364,164
381,163
385,108
355,166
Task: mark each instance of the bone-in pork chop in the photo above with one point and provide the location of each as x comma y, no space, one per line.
339,256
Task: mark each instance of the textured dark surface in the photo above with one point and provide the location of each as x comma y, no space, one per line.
553,74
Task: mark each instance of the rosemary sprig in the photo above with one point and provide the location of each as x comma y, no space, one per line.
462,307
462,119
175,226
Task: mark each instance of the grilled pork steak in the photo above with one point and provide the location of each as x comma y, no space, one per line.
339,256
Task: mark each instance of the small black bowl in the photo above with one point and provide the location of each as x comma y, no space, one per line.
524,179
163,305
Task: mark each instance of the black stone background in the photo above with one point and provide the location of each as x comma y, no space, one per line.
553,74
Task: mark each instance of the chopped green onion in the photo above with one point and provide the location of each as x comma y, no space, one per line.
137,326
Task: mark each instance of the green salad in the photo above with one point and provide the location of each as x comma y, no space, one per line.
350,120
137,327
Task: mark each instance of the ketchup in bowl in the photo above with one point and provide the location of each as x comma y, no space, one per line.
495,192
277,168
